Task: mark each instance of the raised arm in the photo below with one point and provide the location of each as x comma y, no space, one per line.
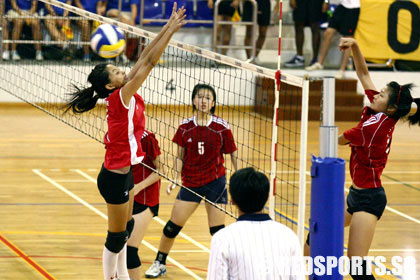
150,180
359,62
149,61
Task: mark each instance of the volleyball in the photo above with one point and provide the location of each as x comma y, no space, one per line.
107,41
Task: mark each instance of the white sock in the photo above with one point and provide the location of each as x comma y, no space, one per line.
122,264
109,262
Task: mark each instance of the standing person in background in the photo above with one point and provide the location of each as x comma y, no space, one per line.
225,13
93,6
306,13
6,53
263,19
344,20
25,8
255,247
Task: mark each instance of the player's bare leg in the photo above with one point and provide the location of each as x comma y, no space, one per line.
215,216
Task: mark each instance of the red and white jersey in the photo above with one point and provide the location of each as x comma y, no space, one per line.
150,195
204,147
125,128
370,143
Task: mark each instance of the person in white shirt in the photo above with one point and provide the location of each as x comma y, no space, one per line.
254,247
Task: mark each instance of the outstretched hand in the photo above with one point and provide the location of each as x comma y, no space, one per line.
176,21
346,43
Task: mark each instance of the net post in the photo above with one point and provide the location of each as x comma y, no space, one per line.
302,159
327,130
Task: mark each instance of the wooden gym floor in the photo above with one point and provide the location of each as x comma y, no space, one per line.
53,224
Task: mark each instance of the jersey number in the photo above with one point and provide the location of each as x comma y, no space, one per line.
201,148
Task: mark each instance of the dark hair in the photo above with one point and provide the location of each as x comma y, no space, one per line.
83,100
400,98
197,88
249,189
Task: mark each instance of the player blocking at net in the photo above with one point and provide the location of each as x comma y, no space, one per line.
370,143
126,121
202,140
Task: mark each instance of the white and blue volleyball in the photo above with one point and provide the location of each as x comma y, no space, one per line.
107,41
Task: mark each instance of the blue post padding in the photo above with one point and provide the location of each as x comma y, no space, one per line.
327,211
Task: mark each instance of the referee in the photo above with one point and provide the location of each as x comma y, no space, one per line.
255,247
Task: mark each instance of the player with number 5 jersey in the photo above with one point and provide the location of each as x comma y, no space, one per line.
202,141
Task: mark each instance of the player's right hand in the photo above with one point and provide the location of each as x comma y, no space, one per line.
346,43
170,188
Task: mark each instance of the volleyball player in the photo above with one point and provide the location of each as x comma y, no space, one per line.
146,200
370,143
202,140
125,117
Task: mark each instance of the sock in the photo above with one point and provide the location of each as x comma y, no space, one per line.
161,257
109,262
122,264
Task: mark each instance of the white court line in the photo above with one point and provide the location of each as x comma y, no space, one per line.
147,244
157,219
394,250
187,251
71,181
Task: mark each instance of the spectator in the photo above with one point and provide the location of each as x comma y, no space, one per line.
306,13
264,10
255,247
344,20
6,53
225,13
93,6
63,33
128,14
25,8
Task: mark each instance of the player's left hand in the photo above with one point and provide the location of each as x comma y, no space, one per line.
346,43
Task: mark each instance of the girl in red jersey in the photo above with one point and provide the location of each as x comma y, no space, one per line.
202,140
370,143
146,200
125,118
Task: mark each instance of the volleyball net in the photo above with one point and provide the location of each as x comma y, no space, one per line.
266,124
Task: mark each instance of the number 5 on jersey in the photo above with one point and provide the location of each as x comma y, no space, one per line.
201,148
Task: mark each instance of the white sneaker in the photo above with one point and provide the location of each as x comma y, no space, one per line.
157,269
339,75
39,56
15,55
315,66
6,55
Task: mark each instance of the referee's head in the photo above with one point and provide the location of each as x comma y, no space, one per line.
249,190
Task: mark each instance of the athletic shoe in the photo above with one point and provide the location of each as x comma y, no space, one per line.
6,55
86,58
15,55
313,61
339,75
296,61
315,66
39,56
157,269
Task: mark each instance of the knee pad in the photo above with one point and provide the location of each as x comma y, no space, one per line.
171,230
215,229
308,239
130,227
133,260
115,241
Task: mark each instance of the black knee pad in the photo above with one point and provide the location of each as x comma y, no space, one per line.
215,229
171,230
133,260
115,241
308,239
130,227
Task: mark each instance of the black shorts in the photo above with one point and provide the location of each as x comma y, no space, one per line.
372,201
264,12
344,20
138,208
214,191
225,8
308,11
115,187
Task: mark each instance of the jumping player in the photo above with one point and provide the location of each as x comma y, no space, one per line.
202,140
125,117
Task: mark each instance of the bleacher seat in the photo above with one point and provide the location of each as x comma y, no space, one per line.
153,9
188,5
204,13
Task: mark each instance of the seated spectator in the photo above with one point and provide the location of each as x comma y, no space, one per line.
246,249
6,53
63,33
225,13
25,8
128,14
93,6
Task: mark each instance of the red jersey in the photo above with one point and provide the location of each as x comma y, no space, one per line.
125,128
370,143
150,195
204,147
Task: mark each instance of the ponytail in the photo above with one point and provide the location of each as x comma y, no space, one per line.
415,119
400,98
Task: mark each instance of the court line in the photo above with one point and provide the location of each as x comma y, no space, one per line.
157,219
407,184
90,207
395,250
27,259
